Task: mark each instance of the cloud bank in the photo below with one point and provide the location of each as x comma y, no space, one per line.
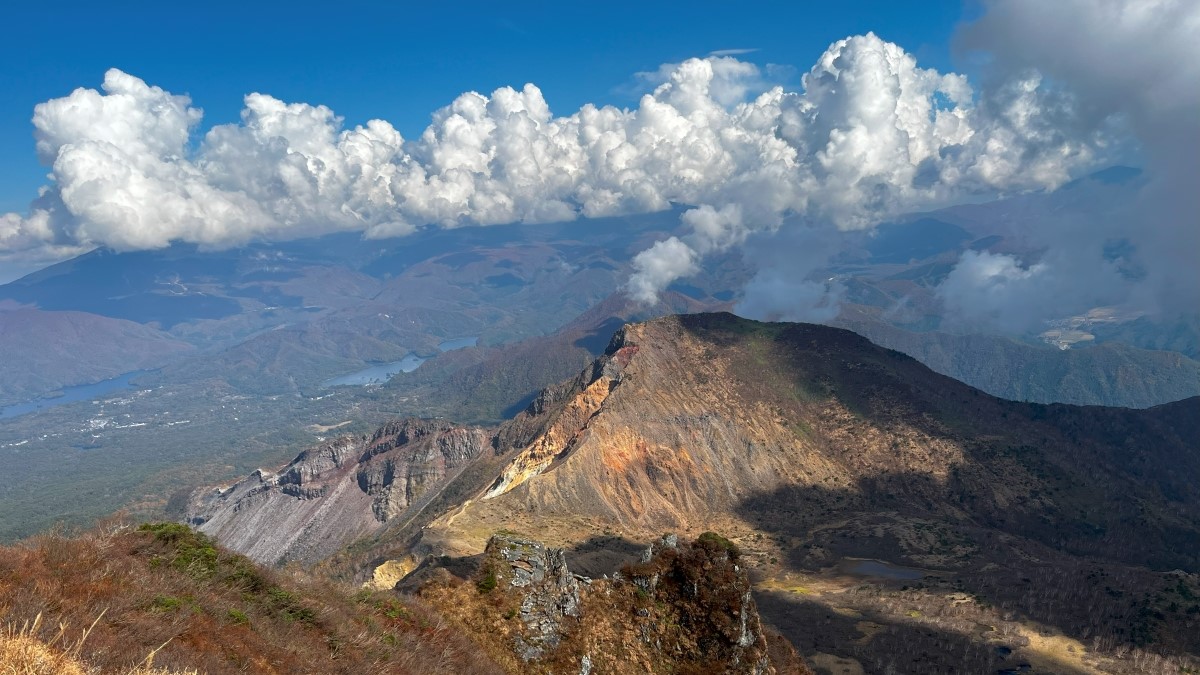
871,134
867,136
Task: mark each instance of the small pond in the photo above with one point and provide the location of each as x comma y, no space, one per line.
878,568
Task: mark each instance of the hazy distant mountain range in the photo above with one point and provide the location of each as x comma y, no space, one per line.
45,351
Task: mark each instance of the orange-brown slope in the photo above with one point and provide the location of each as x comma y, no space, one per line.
710,421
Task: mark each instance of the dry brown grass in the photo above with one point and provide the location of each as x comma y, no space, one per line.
22,653
169,601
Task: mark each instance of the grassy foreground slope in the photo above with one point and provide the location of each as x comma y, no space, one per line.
165,597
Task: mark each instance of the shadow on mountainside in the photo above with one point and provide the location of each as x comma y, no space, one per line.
603,555
1118,484
1040,513
596,340
885,644
989,560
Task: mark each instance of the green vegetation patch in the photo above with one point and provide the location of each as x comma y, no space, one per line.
714,542
487,583
196,555
192,552
167,603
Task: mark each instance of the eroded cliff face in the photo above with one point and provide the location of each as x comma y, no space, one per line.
661,434
570,421
331,495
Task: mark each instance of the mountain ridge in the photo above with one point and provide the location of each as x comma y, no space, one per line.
548,434
814,450
42,348
1110,373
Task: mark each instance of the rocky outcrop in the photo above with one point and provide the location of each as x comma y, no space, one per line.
702,588
330,495
406,458
550,593
686,607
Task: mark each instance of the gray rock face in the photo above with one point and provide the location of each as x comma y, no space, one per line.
397,479
337,492
551,592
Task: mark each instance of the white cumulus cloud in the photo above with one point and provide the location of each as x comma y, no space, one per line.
870,134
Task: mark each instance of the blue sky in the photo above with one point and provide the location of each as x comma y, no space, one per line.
400,61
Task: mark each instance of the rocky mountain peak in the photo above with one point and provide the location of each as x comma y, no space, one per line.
816,453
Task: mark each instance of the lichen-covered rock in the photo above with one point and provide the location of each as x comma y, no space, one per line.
704,594
550,591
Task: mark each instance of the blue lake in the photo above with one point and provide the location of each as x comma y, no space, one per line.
378,374
82,392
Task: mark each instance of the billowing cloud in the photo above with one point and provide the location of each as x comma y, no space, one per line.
869,135
990,291
731,81
784,287
1124,64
